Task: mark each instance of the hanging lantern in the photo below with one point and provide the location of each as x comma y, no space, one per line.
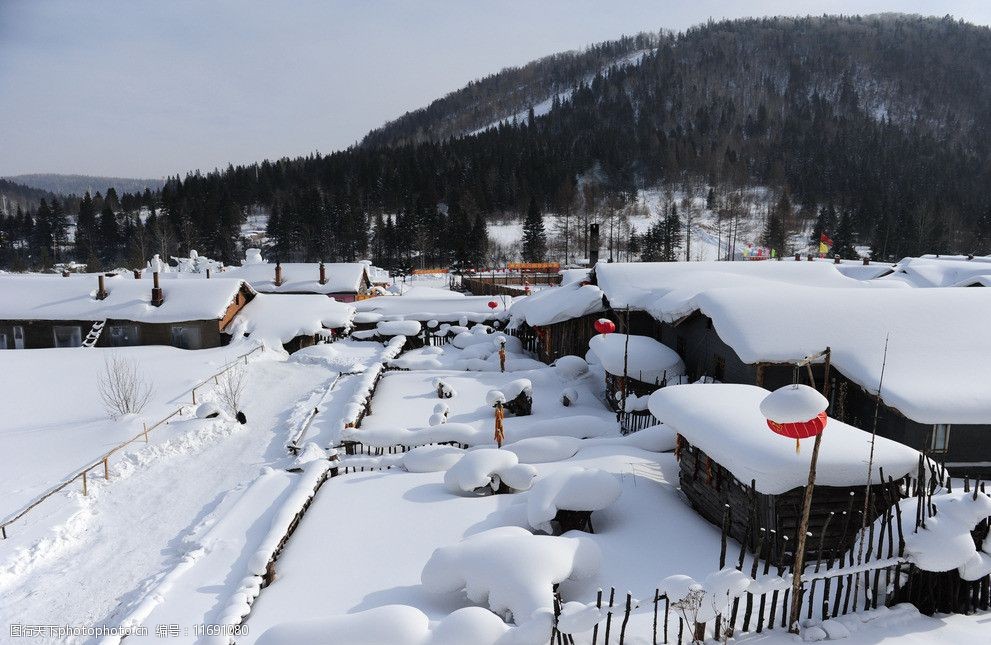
605,326
493,304
795,411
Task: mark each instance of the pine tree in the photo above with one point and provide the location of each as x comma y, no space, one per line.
534,236
86,232
109,246
774,237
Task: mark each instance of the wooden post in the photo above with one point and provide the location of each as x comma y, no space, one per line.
598,605
626,617
194,396
145,425
106,470
84,483
612,597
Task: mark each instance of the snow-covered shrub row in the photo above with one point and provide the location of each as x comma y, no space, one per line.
511,569
946,542
488,467
405,625
570,489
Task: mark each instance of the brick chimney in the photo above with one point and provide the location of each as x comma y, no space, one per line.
798,257
65,273
867,261
137,274
323,273
101,292
278,274
157,295
836,259
810,257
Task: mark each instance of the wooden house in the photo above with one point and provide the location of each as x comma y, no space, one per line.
343,281
558,321
737,324
730,460
40,311
293,321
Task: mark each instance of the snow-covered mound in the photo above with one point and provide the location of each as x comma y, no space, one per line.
488,467
793,404
557,304
431,459
570,489
511,569
581,426
571,367
647,360
946,542
398,328
277,319
539,450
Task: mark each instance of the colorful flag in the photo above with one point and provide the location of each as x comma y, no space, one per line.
825,243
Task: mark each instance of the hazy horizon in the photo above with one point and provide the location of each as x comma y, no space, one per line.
141,89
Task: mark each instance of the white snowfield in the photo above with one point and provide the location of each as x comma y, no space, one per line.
51,297
278,318
725,422
646,359
934,337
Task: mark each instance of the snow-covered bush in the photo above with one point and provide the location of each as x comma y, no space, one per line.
570,489
494,396
444,391
488,467
207,410
436,419
398,328
230,388
571,367
511,569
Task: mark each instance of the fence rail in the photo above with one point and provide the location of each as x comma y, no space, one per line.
104,460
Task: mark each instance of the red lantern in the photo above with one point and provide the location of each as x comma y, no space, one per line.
800,430
605,326
493,304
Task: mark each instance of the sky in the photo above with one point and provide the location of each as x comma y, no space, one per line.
134,88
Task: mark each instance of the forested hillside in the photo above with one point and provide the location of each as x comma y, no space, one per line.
874,128
80,184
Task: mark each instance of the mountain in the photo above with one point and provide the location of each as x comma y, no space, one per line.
79,184
871,129
14,194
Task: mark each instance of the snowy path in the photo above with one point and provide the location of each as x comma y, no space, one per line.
132,528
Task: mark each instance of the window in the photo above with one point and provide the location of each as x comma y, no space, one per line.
18,337
186,337
940,438
67,335
719,368
124,335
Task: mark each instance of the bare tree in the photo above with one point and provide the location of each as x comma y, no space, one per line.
122,387
230,388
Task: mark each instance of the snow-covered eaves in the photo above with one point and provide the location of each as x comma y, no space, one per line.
725,422
666,289
936,369
934,271
441,309
302,277
43,297
557,304
281,318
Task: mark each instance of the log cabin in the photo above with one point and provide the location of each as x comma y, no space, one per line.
558,320
730,460
42,311
343,281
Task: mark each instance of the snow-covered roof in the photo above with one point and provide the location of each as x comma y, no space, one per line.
933,271
36,297
646,359
280,318
666,289
725,422
935,370
557,304
301,277
441,309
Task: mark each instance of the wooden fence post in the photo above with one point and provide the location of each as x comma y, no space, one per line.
106,469
84,483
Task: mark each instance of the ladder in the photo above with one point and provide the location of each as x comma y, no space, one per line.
94,333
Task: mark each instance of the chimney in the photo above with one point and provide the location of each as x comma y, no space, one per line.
798,257
278,274
323,273
867,261
970,256
208,274
65,273
137,274
101,292
593,244
810,258
836,259
157,296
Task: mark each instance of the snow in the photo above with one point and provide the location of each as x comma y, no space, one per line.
933,336
36,297
946,542
398,328
431,459
571,367
647,360
725,422
557,304
511,569
666,289
570,489
488,467
793,404
449,307
277,319
932,271
301,277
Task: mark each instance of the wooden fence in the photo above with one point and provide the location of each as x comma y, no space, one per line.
104,460
636,420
